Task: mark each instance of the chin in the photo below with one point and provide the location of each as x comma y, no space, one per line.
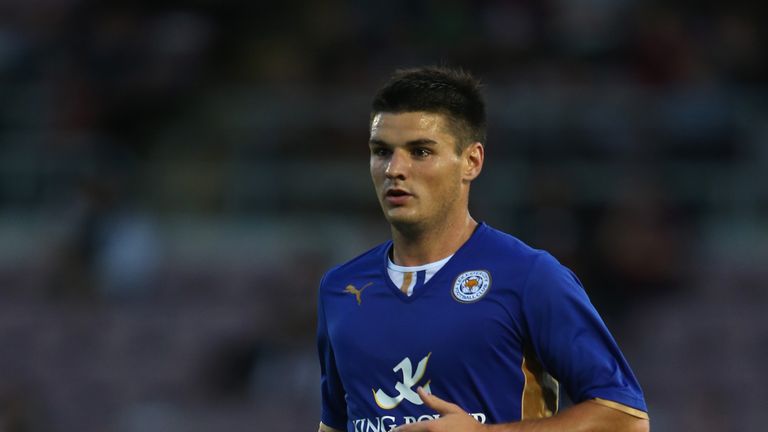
401,216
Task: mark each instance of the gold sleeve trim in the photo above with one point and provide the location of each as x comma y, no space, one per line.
540,391
325,428
623,408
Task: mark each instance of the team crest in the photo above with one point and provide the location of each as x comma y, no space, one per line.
471,286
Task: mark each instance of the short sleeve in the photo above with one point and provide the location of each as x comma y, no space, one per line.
334,410
571,340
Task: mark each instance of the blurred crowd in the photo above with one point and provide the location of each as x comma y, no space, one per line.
176,176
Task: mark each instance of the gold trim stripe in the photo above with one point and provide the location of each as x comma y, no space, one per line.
540,391
623,408
325,428
407,278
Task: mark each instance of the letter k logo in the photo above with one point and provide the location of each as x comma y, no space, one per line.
405,388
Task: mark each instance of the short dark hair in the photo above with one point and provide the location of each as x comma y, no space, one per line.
451,92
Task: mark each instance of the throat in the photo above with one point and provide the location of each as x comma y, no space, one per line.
413,247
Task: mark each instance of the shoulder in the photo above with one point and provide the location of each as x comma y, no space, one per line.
369,261
518,256
507,246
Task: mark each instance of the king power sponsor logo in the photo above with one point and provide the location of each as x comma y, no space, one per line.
404,388
387,423
405,392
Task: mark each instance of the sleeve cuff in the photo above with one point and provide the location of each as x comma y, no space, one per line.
325,428
621,407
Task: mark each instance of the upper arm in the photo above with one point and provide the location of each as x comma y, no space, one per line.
617,417
334,409
595,417
571,340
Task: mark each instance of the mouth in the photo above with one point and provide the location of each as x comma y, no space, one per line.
397,196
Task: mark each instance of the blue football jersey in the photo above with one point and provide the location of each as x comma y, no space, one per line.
496,331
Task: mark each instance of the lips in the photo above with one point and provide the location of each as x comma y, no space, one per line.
396,196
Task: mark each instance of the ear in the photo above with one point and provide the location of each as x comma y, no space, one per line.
473,157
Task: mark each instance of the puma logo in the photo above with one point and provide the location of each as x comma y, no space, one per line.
357,292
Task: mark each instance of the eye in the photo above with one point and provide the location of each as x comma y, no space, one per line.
380,151
421,152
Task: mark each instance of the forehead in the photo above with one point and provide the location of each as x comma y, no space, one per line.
408,126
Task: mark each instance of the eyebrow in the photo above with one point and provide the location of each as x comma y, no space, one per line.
412,143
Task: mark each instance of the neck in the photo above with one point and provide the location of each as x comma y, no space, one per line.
418,246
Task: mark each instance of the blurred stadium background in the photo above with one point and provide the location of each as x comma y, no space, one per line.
176,176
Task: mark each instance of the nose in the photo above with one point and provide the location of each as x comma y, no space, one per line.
397,166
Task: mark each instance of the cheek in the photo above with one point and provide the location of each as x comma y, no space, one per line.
446,178
377,172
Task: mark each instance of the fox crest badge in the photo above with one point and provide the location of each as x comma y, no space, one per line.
471,286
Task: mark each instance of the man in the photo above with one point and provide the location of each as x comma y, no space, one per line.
453,325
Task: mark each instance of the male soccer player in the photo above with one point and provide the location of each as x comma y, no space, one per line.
453,325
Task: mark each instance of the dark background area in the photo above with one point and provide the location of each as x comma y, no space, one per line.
175,177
